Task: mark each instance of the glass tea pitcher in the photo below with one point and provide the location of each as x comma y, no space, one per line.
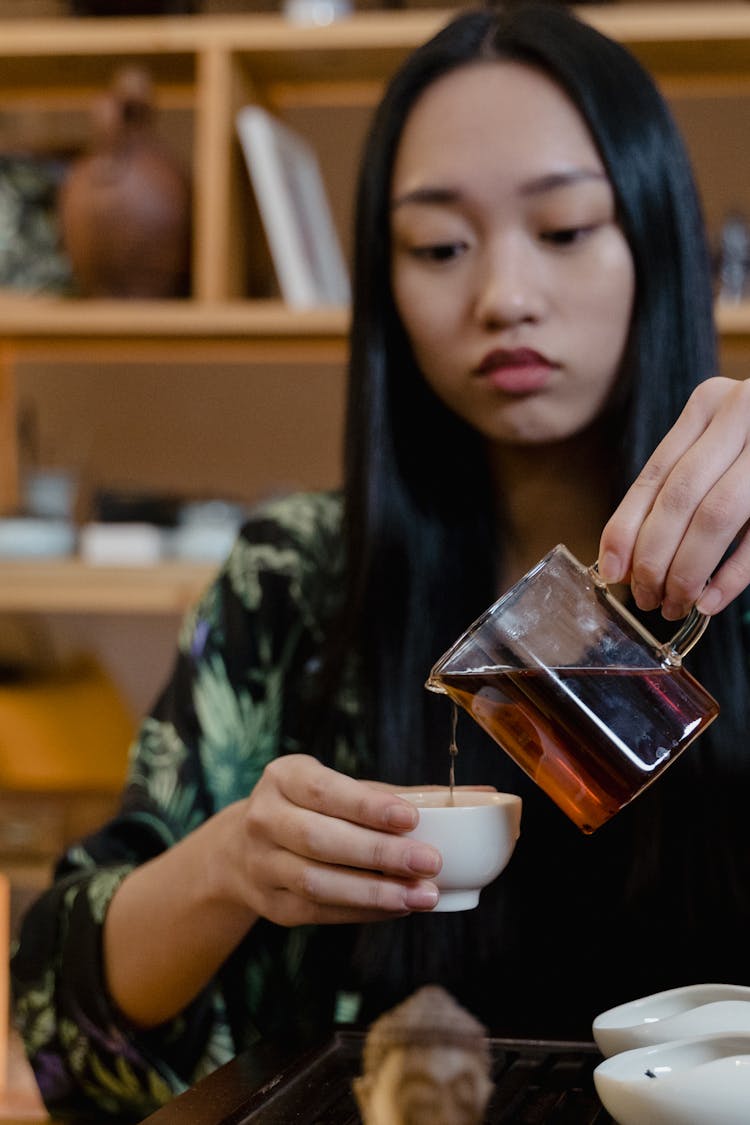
576,690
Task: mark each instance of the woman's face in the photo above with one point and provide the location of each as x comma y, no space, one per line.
511,274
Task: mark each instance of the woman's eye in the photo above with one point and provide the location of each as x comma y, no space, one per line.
438,251
566,236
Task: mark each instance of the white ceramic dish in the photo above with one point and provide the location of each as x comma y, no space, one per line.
678,1013
704,1080
25,537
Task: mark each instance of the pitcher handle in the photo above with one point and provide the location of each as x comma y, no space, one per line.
689,633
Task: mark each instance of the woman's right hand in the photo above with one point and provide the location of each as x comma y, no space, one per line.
687,508
308,845
317,846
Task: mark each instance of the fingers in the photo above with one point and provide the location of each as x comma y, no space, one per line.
730,580
306,783
322,846
327,839
324,893
687,506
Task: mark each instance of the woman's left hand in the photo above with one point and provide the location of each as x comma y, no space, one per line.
689,503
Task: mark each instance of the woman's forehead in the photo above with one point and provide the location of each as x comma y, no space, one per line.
504,112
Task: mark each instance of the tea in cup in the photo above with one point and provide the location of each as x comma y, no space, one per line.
573,687
475,832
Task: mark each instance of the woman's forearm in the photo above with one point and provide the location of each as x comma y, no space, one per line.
173,922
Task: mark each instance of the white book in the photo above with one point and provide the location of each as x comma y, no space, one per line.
294,208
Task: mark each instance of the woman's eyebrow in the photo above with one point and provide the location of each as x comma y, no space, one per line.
550,181
434,195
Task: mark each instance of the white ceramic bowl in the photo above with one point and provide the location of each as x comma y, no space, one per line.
475,835
24,537
703,1080
678,1013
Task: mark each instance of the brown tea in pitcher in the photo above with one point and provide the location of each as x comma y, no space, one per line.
591,738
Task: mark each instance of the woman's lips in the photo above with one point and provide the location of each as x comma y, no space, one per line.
517,372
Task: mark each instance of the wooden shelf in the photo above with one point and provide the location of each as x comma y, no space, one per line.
372,40
36,329
71,586
35,318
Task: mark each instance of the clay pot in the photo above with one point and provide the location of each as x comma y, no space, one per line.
124,207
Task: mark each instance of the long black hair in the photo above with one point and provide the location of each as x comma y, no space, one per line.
421,527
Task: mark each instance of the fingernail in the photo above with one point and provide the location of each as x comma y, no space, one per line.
644,598
674,611
709,601
421,898
423,860
610,567
401,816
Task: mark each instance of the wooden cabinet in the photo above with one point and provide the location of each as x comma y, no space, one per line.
323,80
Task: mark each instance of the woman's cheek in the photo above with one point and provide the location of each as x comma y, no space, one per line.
427,310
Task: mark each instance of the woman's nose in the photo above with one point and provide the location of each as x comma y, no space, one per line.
509,287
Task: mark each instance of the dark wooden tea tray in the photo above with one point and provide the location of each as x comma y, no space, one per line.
537,1082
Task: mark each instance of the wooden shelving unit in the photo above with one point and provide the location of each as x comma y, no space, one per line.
206,67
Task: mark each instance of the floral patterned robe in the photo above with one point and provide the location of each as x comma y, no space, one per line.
245,655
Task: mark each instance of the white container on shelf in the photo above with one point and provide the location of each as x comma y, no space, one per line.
121,544
25,537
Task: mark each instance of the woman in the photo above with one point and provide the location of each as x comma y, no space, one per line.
532,312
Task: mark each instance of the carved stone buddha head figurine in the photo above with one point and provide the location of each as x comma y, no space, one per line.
425,1062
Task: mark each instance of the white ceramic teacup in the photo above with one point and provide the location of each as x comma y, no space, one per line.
475,832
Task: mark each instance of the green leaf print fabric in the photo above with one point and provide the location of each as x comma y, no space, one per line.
235,700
